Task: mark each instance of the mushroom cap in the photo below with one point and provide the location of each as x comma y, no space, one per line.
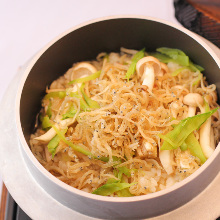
193,99
149,60
85,65
81,70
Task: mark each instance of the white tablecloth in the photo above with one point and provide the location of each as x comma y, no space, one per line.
26,26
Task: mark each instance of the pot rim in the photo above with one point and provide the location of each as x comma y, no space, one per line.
63,185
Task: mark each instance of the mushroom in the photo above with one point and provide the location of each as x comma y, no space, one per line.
166,159
147,150
147,67
206,138
193,100
64,123
51,132
47,136
212,141
84,65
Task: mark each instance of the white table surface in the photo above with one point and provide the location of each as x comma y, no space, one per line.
26,26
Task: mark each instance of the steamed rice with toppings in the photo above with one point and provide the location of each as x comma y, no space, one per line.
128,123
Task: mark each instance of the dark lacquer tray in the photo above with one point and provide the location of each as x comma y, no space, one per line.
13,211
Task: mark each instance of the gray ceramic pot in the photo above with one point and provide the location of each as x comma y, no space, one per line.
84,43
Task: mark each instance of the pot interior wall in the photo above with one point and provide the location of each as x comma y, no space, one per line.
104,36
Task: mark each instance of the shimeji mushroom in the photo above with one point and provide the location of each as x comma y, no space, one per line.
193,100
206,137
51,132
64,123
166,159
147,68
82,65
212,141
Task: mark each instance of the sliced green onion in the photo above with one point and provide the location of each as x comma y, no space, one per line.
124,192
134,60
69,143
113,185
194,67
91,103
176,54
130,71
49,111
53,144
200,68
138,55
195,148
167,55
83,105
198,79
60,94
207,108
70,113
177,136
161,57
77,147
125,170
86,79
112,180
111,188
106,159
46,123
176,72
183,146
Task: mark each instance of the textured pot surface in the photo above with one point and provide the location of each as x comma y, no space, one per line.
84,43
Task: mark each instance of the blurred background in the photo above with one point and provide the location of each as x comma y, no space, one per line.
27,26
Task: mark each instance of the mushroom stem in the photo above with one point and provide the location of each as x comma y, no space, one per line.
204,138
212,141
85,65
147,67
193,100
191,111
148,77
166,159
64,123
51,133
47,136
